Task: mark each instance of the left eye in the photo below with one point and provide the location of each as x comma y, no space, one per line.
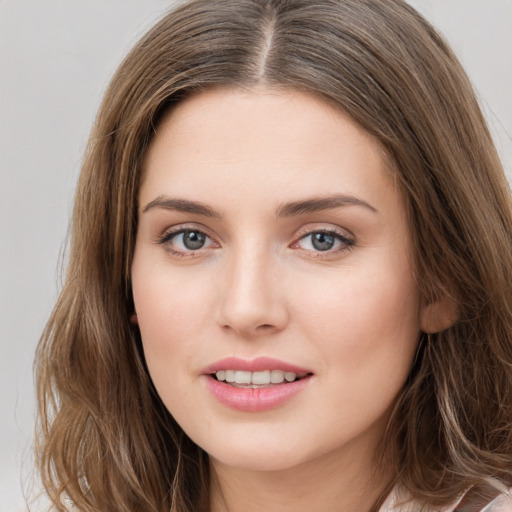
189,240
323,241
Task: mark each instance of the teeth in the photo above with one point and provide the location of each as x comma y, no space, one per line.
276,376
261,377
242,377
258,378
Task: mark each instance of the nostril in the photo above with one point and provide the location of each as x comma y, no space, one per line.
266,329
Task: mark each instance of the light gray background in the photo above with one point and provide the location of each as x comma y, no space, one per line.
56,57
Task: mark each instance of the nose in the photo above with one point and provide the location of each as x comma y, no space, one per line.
253,299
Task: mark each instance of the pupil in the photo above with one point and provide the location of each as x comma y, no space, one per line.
322,241
193,240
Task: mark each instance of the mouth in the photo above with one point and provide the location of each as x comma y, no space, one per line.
257,385
258,379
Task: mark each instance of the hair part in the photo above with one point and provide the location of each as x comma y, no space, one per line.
104,438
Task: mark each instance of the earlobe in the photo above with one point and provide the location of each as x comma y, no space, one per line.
439,315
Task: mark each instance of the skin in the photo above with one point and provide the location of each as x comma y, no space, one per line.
259,287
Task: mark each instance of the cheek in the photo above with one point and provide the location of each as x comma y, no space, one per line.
366,333
363,319
168,303
171,310
169,322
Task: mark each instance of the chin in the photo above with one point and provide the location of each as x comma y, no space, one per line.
256,454
257,462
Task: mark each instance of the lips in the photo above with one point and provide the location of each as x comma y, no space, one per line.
255,365
257,385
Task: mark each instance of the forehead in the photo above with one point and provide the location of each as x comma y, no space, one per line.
263,145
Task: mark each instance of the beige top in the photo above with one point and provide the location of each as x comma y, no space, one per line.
397,502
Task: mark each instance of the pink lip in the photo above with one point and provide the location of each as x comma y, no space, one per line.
255,365
254,399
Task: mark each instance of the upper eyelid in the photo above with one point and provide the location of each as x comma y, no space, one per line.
348,241
186,226
300,233
309,229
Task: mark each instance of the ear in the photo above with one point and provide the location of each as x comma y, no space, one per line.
439,315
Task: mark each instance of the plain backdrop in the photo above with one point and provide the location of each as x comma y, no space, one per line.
56,58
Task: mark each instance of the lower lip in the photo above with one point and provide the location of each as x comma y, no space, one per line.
255,399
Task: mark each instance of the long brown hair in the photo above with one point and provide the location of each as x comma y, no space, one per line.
105,440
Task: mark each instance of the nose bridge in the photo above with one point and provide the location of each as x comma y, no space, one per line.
252,301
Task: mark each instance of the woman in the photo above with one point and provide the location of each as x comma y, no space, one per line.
288,280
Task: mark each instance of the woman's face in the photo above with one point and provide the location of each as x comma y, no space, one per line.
273,244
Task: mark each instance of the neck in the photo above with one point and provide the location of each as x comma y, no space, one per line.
333,482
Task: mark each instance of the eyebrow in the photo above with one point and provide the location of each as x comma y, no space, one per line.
292,209
321,203
182,205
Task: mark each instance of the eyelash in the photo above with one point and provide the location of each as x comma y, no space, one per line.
166,240
346,243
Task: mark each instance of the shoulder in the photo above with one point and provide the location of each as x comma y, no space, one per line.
502,503
399,501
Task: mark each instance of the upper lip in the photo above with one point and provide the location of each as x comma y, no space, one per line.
254,365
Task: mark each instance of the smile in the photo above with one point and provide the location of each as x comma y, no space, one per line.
257,385
257,379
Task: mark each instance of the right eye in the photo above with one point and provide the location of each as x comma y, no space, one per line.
185,242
